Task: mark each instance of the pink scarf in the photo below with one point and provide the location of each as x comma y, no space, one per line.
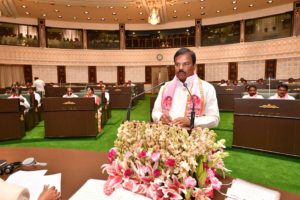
197,93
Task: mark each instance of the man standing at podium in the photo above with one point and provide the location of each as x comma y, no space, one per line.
174,105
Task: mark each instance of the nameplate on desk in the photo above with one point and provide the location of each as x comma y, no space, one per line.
117,90
269,106
69,103
296,89
229,89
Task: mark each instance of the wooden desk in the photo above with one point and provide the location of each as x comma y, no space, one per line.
70,117
12,120
268,125
226,96
78,166
119,96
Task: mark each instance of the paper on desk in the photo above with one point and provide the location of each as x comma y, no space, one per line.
34,181
244,190
93,190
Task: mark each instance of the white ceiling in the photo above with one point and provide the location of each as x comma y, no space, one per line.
129,11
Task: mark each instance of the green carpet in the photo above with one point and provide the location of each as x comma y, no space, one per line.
268,169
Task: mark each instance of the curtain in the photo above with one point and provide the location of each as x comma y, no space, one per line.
10,74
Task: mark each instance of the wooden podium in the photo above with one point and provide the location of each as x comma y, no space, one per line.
268,125
73,117
12,120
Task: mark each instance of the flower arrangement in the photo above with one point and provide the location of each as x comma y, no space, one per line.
165,162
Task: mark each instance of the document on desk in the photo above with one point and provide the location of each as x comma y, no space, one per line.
93,190
34,181
243,190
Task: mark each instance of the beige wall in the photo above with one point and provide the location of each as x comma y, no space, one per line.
76,74
135,73
287,68
46,73
107,74
251,70
216,71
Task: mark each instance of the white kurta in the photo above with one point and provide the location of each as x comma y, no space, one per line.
70,96
39,85
25,103
287,97
257,96
210,118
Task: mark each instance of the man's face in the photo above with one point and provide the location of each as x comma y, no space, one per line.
69,91
281,91
184,67
252,91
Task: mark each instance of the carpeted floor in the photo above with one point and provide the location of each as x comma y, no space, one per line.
264,168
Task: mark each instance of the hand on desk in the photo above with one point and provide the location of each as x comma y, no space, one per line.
49,193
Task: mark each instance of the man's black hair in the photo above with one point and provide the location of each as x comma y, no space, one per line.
182,51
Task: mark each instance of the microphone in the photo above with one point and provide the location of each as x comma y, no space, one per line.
192,124
136,96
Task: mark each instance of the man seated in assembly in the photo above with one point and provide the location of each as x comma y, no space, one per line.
70,94
7,91
222,83
37,96
252,93
101,85
282,93
15,94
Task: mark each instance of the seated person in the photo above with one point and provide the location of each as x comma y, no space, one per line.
228,83
70,94
37,96
101,85
129,83
282,93
260,81
235,83
7,91
252,93
10,191
90,93
222,83
290,81
15,94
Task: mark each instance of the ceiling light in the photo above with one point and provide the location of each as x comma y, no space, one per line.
124,6
218,11
86,12
129,19
116,19
56,10
174,11
202,7
97,6
24,6
139,6
171,4
59,16
234,8
111,7
186,2
114,13
251,5
174,16
102,19
27,13
154,17
203,13
44,15
88,18
201,0
233,2
270,1
74,18
141,13
68,5
189,15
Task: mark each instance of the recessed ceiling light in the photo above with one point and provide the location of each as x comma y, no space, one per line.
86,12
233,2
202,7
203,13
139,6
234,8
189,15
186,2
56,10
218,11
88,18
68,5
102,19
201,0
44,15
187,30
97,6
27,13
251,5
270,1
116,19
74,18
59,16
24,6
125,7
171,4
174,11
175,16
114,13
111,7
129,19
141,13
